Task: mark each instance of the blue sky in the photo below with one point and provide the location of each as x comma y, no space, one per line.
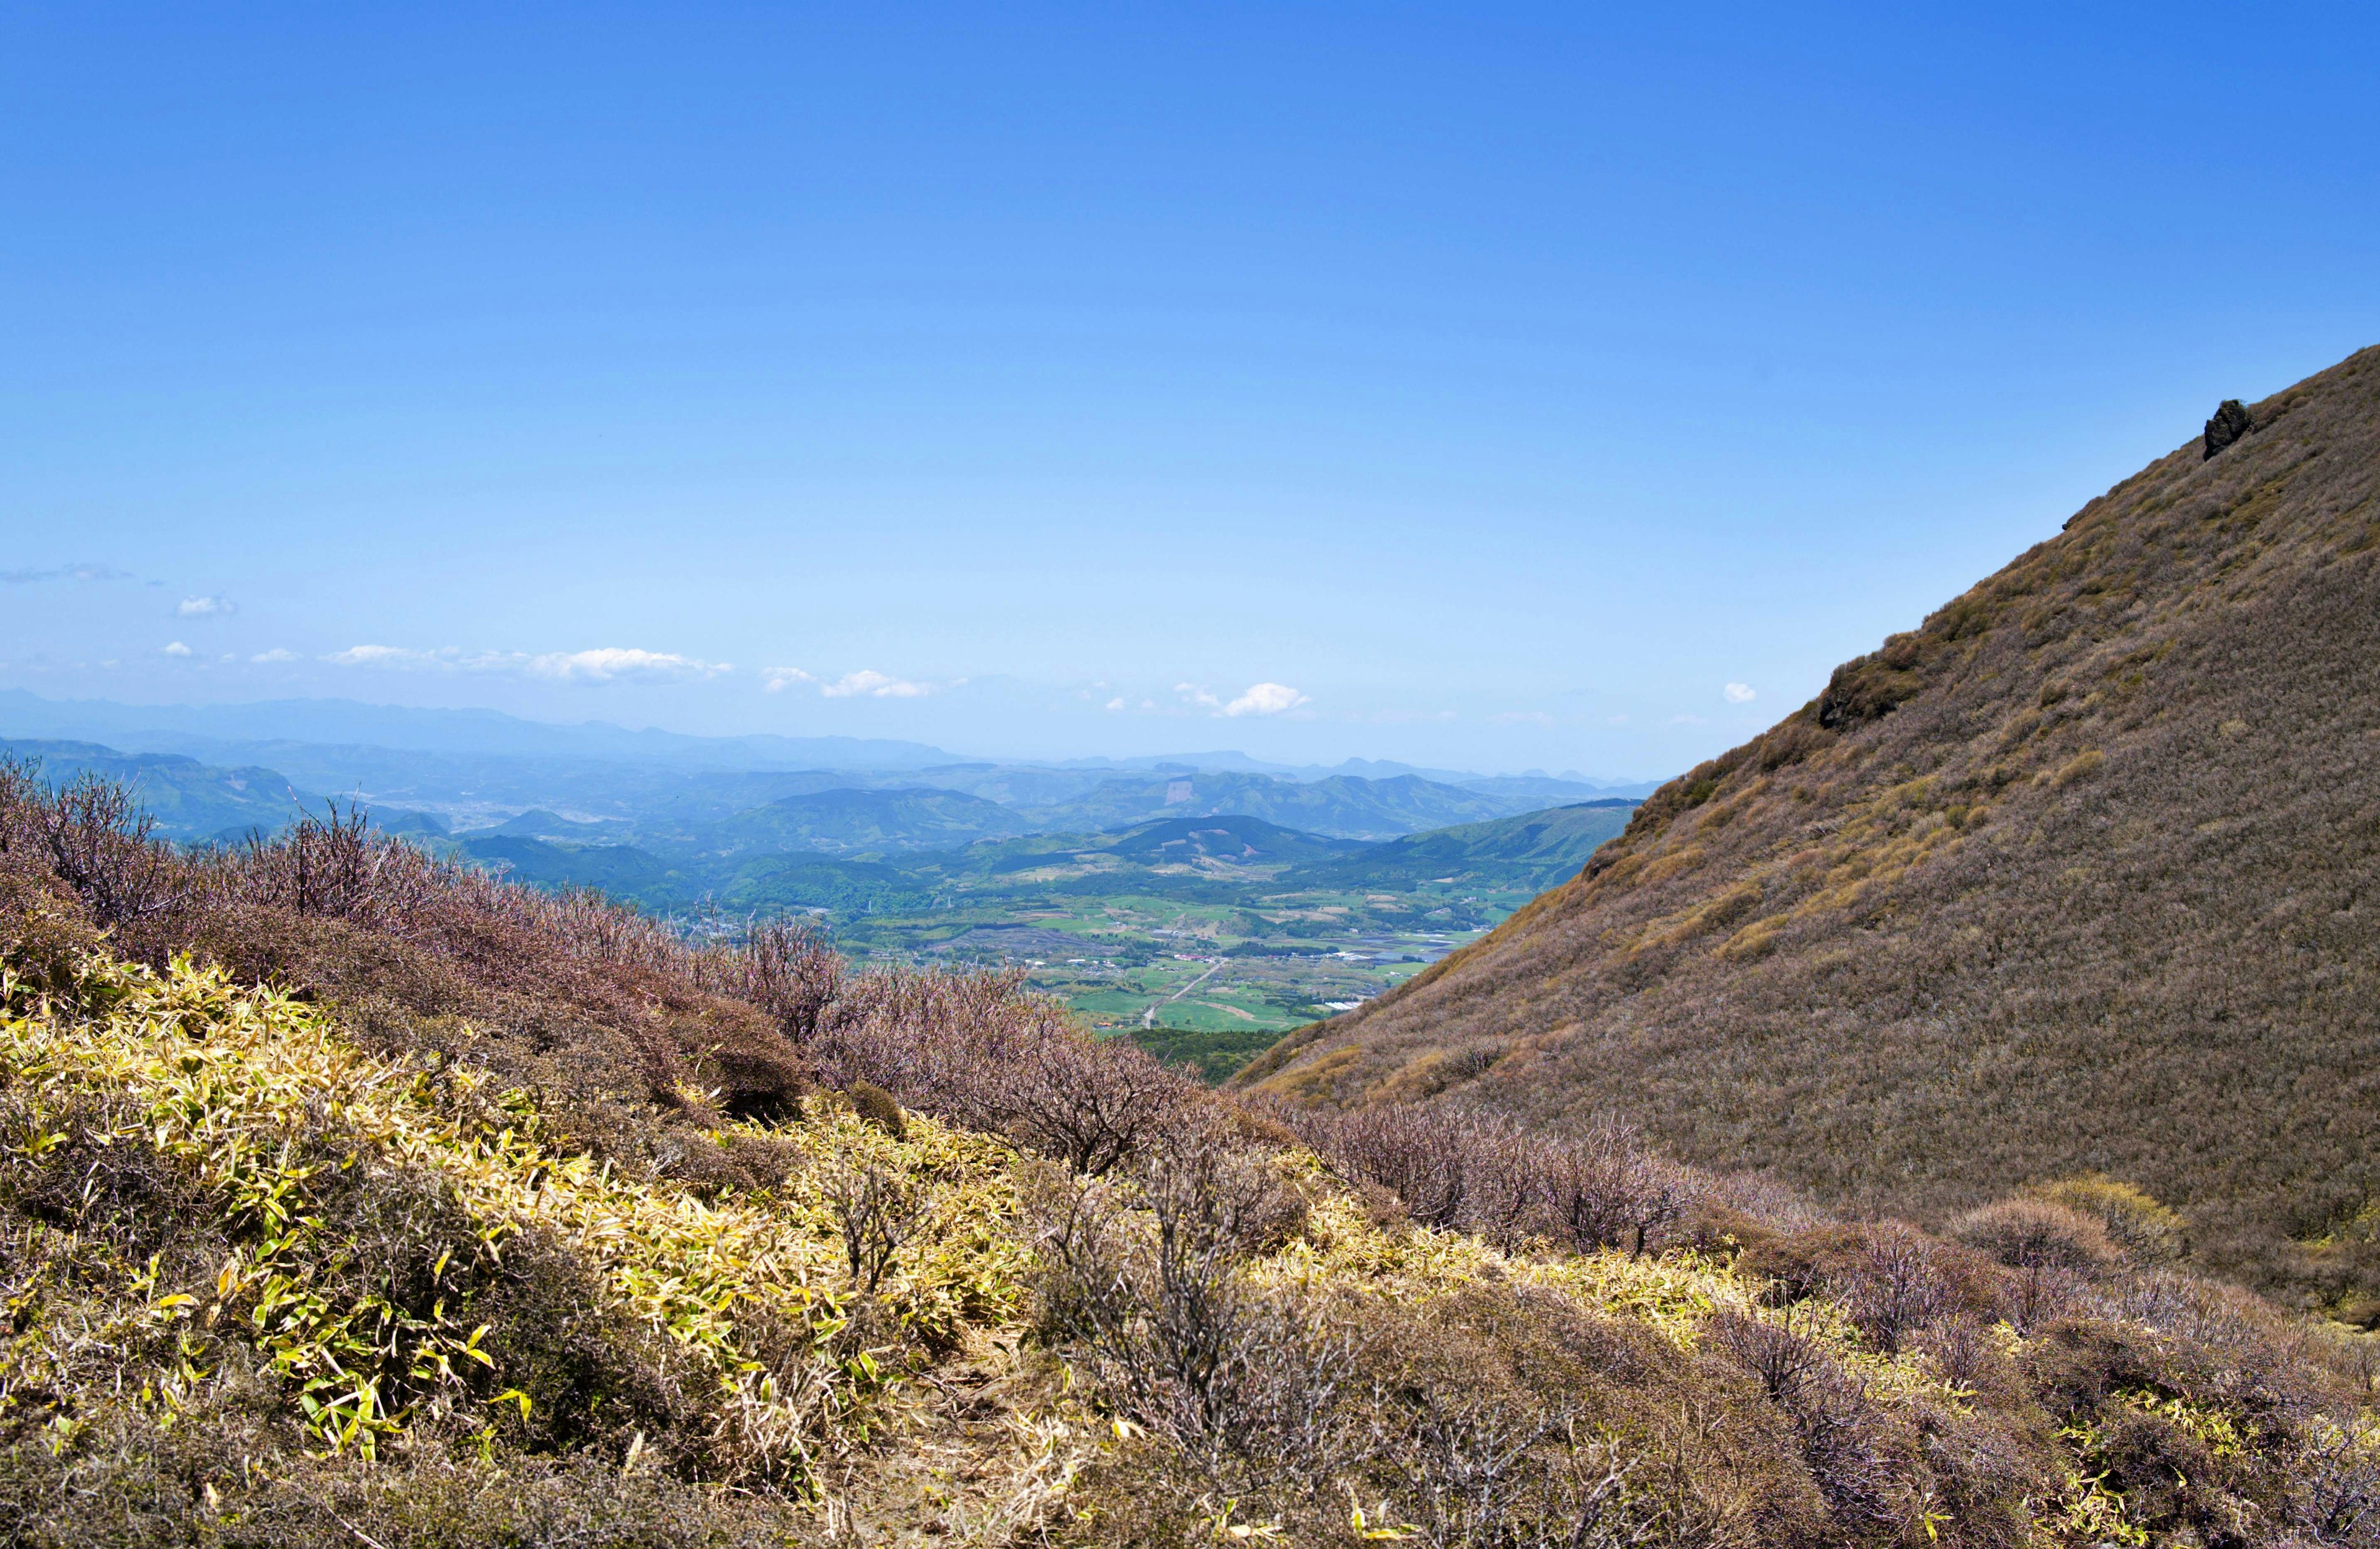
1486,386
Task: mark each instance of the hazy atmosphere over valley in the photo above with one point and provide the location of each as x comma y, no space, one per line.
1501,778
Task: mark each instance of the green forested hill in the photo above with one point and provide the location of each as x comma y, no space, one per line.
1530,850
189,800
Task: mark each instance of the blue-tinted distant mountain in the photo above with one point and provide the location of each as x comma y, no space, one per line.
1569,785
1542,791
1533,851
620,870
858,822
1341,805
539,823
1231,839
189,800
163,728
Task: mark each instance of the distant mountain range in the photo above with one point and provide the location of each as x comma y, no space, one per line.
705,816
344,744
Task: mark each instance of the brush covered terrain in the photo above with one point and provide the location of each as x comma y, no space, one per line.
2077,876
348,1197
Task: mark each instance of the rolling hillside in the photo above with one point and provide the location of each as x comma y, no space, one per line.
1342,806
2079,875
190,800
846,822
1527,850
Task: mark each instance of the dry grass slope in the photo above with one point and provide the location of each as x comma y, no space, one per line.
2079,875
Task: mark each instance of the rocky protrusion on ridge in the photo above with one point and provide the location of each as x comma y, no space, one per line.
2230,422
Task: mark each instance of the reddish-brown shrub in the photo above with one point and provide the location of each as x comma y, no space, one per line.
2036,1234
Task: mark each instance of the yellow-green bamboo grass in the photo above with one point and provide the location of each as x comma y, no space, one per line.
257,1094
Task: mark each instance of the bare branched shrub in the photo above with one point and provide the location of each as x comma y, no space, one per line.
1898,1289
1485,1174
1089,1104
1488,1477
1785,1362
1424,1153
1142,1281
1845,1439
784,967
876,1211
1605,1189
980,1051
95,839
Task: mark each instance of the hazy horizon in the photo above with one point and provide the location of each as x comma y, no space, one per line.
1216,756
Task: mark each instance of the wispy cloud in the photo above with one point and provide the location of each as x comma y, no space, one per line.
206,607
64,572
876,685
603,664
1740,694
619,664
390,656
176,648
275,655
1514,718
1266,699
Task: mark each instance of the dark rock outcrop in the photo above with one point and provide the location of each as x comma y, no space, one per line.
2230,422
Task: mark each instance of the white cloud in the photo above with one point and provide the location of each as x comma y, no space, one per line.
776,679
176,648
1198,697
274,654
1266,699
206,607
1740,694
876,685
1116,703
620,664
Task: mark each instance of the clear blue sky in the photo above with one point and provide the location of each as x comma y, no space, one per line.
1501,383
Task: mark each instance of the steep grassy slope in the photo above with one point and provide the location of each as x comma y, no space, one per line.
2084,873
